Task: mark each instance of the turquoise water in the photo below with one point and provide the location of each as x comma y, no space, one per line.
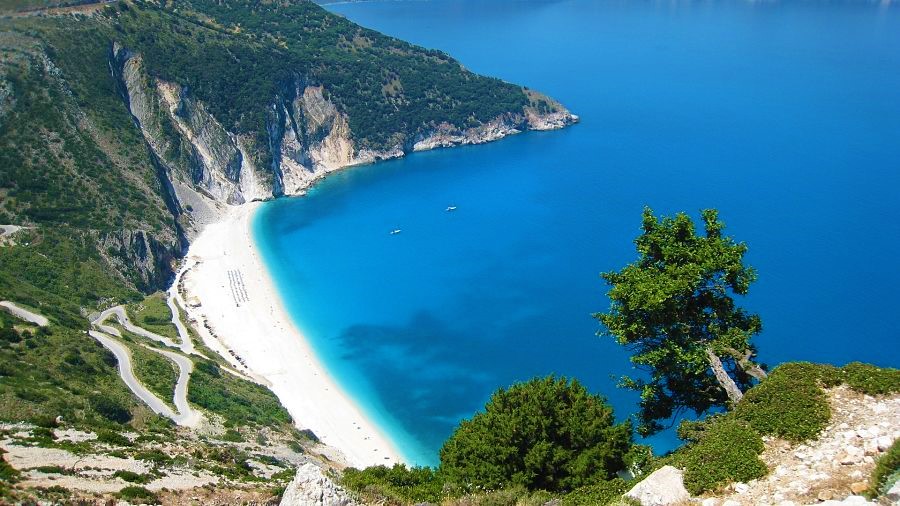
785,116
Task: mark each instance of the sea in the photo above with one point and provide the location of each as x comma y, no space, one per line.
783,115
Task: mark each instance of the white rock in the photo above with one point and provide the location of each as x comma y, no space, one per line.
310,487
663,487
731,503
893,494
883,443
710,501
741,488
863,433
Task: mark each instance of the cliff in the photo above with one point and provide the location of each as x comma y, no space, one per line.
133,126
308,137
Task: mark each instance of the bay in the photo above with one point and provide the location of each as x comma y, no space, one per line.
783,115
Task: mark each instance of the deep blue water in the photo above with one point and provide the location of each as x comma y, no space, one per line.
784,116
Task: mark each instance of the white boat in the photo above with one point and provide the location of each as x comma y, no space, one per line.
395,231
451,208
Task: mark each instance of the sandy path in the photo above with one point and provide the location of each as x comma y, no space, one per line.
25,314
245,316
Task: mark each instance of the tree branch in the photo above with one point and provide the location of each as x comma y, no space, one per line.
747,365
731,388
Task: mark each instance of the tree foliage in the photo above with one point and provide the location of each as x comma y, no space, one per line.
674,309
545,434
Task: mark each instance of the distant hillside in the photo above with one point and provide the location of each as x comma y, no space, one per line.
122,132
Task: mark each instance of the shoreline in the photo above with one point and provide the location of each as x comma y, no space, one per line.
228,288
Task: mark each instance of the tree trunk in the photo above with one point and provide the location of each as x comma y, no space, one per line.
747,365
731,388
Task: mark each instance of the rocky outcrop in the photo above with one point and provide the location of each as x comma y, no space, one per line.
138,257
835,466
308,137
310,487
663,487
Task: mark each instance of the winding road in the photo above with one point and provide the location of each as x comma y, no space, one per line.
119,313
186,415
126,371
18,312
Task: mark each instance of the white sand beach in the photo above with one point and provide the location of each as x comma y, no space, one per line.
246,319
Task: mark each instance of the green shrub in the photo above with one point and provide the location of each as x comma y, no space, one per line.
887,471
134,493
110,409
132,477
790,403
8,473
598,494
726,452
513,496
42,435
112,438
52,470
398,483
871,380
545,434
158,457
233,436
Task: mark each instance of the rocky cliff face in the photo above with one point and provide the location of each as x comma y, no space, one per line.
209,167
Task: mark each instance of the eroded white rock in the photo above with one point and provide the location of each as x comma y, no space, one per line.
663,487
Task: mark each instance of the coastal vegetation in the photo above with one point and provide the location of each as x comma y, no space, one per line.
674,310
545,434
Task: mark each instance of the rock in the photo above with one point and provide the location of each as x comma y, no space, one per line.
310,487
731,503
883,443
825,495
741,488
893,495
856,500
663,487
852,455
859,487
710,501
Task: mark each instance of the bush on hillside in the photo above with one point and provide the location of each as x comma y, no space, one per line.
111,409
726,451
398,483
790,403
871,380
545,434
8,473
598,494
887,471
137,494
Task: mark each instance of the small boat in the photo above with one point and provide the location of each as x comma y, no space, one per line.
451,208
395,231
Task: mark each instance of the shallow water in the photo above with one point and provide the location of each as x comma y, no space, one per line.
785,116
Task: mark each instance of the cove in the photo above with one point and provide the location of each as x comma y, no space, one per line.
784,116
